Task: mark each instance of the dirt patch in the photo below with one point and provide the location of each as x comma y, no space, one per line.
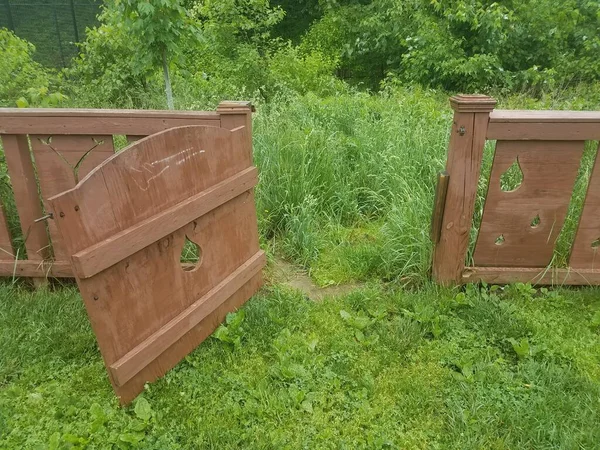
296,278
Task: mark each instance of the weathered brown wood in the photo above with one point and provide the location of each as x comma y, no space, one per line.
535,276
61,161
543,116
6,247
543,131
98,122
134,361
132,300
106,253
510,234
190,341
439,202
465,153
36,269
585,253
132,138
544,125
237,114
29,206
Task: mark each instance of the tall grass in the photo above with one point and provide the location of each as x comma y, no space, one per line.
346,161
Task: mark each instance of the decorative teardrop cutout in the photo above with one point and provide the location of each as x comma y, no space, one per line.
513,177
500,240
191,255
535,221
596,244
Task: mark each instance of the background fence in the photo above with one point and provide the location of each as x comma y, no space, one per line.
53,26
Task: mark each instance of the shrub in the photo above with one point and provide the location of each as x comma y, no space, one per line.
18,71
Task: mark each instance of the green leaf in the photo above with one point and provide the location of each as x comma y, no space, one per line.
54,441
132,438
360,336
521,348
345,315
307,406
22,103
142,409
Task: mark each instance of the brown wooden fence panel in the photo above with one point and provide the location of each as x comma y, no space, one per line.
43,147
519,228
126,224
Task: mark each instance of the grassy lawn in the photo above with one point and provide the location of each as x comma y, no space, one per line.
376,368
387,361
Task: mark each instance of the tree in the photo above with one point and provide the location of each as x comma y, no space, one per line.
159,26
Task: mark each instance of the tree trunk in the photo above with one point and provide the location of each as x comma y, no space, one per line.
168,89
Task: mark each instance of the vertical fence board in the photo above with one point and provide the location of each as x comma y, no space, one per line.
29,205
6,248
585,253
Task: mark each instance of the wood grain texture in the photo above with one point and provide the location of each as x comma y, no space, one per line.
507,237
106,253
543,131
36,269
132,300
439,203
465,153
585,253
543,116
98,121
25,188
535,276
134,361
61,161
237,114
6,248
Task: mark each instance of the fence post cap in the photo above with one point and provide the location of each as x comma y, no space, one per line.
235,107
472,103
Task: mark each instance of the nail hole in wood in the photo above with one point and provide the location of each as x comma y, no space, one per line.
535,221
191,255
61,214
76,208
512,179
500,240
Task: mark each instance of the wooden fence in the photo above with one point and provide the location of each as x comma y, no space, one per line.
48,151
519,228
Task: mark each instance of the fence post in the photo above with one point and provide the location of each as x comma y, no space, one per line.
235,114
465,152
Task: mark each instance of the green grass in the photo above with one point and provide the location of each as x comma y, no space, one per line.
346,191
378,368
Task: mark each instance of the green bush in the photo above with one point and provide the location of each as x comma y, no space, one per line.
105,73
18,71
463,44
